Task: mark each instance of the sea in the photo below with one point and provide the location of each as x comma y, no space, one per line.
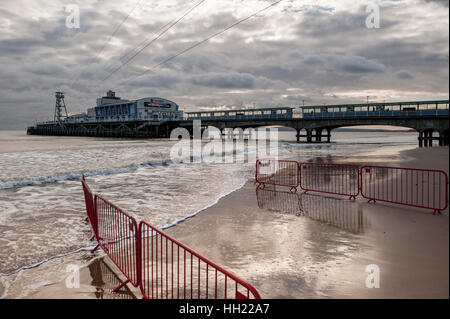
42,212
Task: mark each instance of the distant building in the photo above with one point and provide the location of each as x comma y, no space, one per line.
111,108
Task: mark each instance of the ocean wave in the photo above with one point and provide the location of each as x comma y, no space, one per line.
39,180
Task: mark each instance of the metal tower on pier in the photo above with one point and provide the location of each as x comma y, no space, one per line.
60,107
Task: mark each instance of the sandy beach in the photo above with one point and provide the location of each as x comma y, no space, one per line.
309,246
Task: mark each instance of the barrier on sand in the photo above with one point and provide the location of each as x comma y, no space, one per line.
117,236
160,265
90,207
274,172
171,270
339,179
425,188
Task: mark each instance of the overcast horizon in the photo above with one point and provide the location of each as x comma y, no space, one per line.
312,52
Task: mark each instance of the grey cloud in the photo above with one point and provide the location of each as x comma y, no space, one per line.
313,61
404,75
442,2
18,46
297,98
202,62
153,80
334,25
354,64
49,69
225,80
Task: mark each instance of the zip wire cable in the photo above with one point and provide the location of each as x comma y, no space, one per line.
172,24
208,38
111,36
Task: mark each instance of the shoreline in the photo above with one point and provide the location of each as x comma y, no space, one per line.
234,231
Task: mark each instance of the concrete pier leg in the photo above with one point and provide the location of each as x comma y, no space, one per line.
441,138
298,136
420,138
318,135
309,136
446,138
328,135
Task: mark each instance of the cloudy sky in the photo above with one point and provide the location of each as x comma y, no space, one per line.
314,51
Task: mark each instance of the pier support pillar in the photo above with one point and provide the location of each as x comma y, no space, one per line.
168,130
298,135
308,136
318,135
420,138
430,138
328,135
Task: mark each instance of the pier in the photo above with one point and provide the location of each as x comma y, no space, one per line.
313,124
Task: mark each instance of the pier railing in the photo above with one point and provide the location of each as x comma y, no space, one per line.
160,265
424,188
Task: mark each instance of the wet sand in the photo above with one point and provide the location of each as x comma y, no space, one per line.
310,246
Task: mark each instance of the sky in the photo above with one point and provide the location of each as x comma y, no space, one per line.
313,52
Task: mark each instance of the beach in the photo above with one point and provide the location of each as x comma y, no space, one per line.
309,245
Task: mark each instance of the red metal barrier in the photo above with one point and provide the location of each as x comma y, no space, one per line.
117,236
171,270
425,188
277,172
90,207
340,179
137,250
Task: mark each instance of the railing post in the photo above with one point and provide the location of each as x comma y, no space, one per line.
139,255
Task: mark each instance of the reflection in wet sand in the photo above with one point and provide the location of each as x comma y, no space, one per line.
342,213
105,280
